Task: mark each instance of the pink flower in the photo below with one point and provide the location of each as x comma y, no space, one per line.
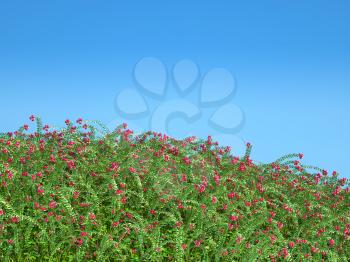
40,191
79,241
233,218
242,167
186,160
14,219
198,243
202,189
52,204
92,216
32,118
115,224
123,200
10,241
231,195
280,225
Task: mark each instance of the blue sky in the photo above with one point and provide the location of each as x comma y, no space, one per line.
290,60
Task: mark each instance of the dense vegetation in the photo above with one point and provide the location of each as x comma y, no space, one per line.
83,193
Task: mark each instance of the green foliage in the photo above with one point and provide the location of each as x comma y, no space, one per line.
94,195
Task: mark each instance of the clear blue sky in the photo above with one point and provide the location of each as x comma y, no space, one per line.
291,59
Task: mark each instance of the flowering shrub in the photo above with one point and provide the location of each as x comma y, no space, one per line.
85,193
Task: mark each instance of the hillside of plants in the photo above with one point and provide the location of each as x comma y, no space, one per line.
85,193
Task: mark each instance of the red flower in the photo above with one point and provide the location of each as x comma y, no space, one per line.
186,160
79,241
202,189
10,241
40,191
123,199
234,160
198,243
52,204
231,195
233,218
92,216
14,219
115,224
242,167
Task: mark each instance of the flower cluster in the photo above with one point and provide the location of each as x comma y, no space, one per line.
153,196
